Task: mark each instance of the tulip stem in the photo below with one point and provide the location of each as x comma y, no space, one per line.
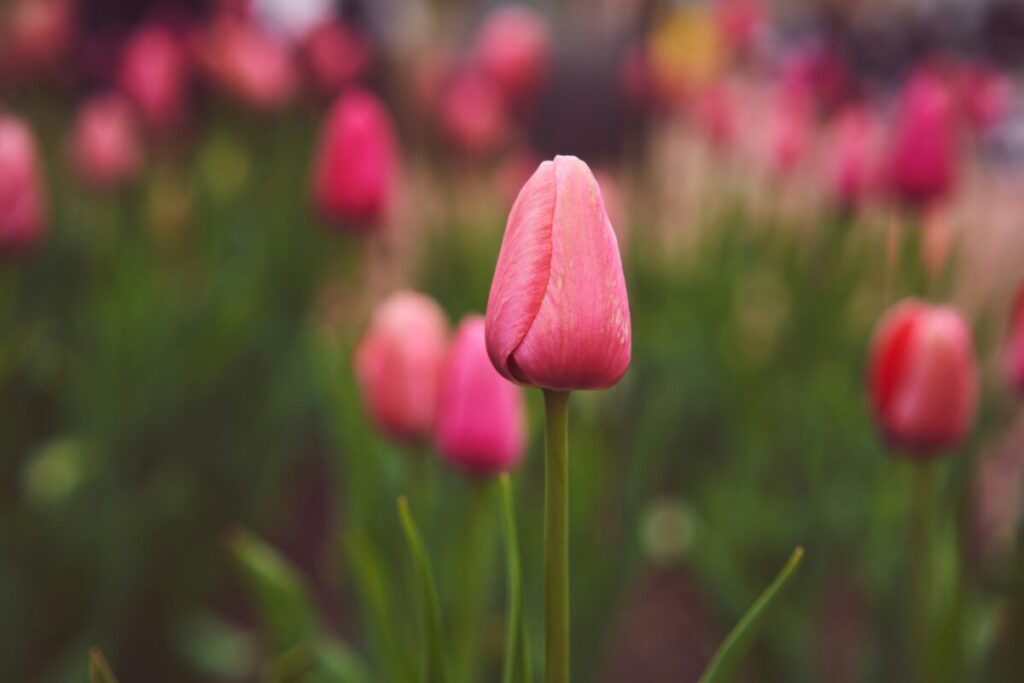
556,538
921,566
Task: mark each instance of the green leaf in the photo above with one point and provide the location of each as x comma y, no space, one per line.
99,669
436,668
726,660
282,598
338,663
516,667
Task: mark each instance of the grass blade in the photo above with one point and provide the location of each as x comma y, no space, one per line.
723,665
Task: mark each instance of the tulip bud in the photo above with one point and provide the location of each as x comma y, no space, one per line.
473,114
513,47
1015,343
105,146
398,364
335,56
37,35
481,416
923,377
557,314
356,168
154,72
854,172
22,204
923,156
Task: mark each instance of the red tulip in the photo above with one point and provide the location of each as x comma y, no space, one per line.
335,55
923,156
356,168
398,364
472,114
22,204
1015,343
923,377
557,314
154,72
513,47
105,145
481,417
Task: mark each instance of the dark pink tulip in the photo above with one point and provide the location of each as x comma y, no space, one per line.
398,365
557,314
1015,343
855,164
22,204
923,155
987,95
473,116
923,377
155,73
739,21
357,166
105,145
513,47
481,419
335,56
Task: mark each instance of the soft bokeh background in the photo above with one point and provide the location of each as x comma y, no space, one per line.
179,420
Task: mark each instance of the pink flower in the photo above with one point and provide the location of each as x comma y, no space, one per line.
335,56
789,131
715,115
398,364
923,155
923,377
1015,343
23,213
37,35
105,146
987,95
855,163
357,165
513,47
557,314
740,21
154,72
472,114
481,418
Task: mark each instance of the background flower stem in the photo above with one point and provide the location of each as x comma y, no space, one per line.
556,538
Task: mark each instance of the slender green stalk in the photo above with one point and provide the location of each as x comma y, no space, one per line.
920,589
99,669
476,573
556,538
517,654
726,660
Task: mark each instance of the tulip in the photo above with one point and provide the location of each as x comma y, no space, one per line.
154,73
715,115
37,35
398,365
855,167
557,314
481,415
513,47
923,377
1015,343
740,21
22,204
105,147
335,56
923,155
355,173
472,114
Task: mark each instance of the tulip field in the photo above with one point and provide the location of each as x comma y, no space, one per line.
352,341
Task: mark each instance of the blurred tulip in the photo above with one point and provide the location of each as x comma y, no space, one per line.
923,377
481,416
357,165
154,72
987,94
398,364
37,34
740,21
557,314
855,161
788,133
22,204
1015,343
335,56
715,115
685,52
105,145
513,47
472,115
923,154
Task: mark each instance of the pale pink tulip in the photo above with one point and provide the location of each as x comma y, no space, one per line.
154,73
513,47
481,418
557,314
472,114
335,56
23,212
854,173
105,145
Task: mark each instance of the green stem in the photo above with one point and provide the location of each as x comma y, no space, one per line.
556,538
920,589
517,655
476,572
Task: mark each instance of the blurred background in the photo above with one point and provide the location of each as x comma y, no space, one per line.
189,480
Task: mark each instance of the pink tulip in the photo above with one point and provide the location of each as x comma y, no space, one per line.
715,115
1015,343
335,56
105,146
398,365
987,95
557,314
854,173
472,114
923,377
514,48
923,156
481,417
37,35
154,72
789,132
357,165
22,204
740,21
